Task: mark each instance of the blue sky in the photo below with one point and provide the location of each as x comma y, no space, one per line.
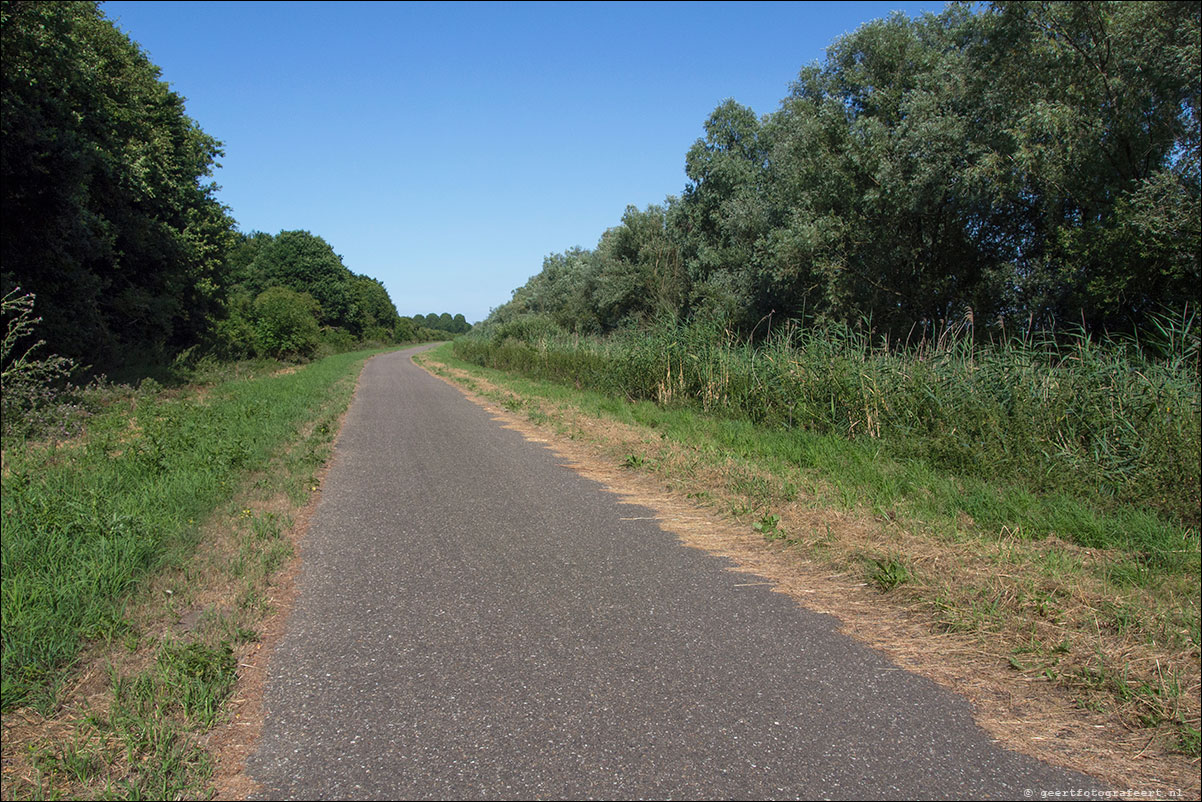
445,149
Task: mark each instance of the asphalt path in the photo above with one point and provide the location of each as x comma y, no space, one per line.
477,621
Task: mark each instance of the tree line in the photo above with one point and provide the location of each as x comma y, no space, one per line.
111,220
1020,165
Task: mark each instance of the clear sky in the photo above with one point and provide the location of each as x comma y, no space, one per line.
445,149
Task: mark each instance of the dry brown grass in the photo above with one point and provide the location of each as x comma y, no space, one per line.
980,616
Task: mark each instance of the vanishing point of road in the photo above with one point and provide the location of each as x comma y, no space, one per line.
477,621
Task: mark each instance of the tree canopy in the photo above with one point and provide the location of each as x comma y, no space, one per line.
106,215
109,220
1023,162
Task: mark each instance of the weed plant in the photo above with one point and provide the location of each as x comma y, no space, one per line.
1117,421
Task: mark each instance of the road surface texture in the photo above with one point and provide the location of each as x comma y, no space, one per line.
477,621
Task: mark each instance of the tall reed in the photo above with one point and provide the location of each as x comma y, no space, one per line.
1116,419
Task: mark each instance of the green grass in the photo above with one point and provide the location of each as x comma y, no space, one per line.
87,520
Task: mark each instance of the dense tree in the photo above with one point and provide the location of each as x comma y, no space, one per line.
1037,162
105,214
442,322
870,170
373,308
639,270
1097,161
724,212
304,262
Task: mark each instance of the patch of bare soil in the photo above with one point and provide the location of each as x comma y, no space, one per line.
1024,712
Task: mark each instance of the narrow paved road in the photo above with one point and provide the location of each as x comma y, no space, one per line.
477,621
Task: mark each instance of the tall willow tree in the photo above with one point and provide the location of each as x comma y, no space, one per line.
106,215
1094,108
1036,162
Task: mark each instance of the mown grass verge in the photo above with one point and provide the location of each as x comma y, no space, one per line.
1055,587
137,559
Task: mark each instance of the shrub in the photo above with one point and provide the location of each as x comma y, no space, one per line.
30,397
286,323
337,340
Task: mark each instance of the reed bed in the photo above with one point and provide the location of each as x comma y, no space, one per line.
1117,420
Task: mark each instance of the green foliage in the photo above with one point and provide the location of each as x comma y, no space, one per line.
445,323
107,219
200,675
404,330
769,527
889,573
919,177
304,263
286,323
104,217
372,306
233,336
27,384
337,340
350,309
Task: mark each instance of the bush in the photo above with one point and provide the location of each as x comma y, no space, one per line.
378,334
31,400
337,340
286,323
233,339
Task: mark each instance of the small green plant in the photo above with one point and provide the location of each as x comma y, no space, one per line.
200,675
769,527
1189,740
889,573
634,461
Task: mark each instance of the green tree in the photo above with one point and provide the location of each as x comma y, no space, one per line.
106,216
1097,161
373,307
639,272
304,262
405,330
1025,161
870,170
723,213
